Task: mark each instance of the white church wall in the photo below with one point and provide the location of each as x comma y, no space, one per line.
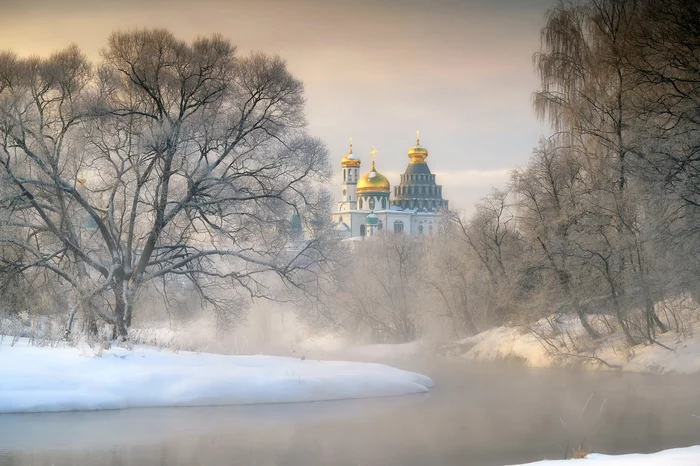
429,222
394,216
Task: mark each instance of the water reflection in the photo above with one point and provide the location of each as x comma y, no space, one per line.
117,428
476,415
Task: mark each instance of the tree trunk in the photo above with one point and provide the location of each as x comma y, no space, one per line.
468,322
621,320
90,326
120,329
565,280
651,311
593,333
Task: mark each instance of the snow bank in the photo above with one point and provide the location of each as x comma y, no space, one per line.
676,457
681,355
503,343
34,379
684,357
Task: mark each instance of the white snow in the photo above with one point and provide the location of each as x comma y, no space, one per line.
40,379
503,343
677,457
681,354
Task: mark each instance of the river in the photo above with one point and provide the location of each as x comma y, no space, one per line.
477,415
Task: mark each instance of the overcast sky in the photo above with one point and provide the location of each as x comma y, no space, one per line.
460,71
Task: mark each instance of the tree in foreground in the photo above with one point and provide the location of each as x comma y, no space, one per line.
167,162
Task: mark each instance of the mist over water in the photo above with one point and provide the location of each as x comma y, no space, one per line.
476,415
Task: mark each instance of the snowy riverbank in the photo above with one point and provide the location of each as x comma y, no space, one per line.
557,341
676,457
568,346
540,346
42,379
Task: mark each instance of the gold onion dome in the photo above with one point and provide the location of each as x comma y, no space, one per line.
373,180
417,154
350,160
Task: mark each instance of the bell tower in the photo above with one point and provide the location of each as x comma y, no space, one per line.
350,173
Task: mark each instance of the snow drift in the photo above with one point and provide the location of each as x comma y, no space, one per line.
676,457
35,379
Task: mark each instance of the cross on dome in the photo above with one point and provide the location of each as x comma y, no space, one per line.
373,180
417,154
349,160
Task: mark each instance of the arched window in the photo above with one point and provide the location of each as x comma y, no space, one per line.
381,225
361,203
344,174
345,192
363,230
383,203
398,226
420,229
371,203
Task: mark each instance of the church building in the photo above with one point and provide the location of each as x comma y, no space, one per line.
367,205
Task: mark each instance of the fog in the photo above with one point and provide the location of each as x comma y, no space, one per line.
174,190
475,415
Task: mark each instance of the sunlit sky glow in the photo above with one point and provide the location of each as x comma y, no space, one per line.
459,70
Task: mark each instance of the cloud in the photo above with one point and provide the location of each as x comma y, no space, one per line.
473,178
377,70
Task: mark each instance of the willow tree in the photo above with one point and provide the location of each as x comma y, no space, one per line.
590,95
667,63
167,159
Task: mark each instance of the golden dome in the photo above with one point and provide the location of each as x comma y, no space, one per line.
417,154
350,160
373,180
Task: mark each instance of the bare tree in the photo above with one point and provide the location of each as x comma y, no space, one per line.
374,291
453,283
550,191
167,159
590,93
492,236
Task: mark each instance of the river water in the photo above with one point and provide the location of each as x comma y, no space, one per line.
476,415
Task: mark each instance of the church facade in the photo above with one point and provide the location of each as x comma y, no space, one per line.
367,205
